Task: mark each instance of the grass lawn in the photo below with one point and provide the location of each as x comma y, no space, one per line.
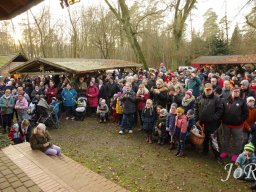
132,163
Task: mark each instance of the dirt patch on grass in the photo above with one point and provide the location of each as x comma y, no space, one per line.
132,163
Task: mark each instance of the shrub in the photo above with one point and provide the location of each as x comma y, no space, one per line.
4,141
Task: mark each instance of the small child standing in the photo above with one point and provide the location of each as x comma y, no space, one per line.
243,160
119,109
161,126
170,124
148,119
181,131
102,110
14,135
113,108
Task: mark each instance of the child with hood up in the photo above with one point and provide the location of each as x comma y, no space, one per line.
102,110
14,135
170,124
181,131
161,126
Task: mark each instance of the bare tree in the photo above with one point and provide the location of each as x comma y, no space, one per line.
124,18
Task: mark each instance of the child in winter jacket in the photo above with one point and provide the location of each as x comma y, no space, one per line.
161,126
148,119
243,162
15,135
181,131
119,109
170,124
102,110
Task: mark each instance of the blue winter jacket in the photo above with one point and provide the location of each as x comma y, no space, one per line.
69,97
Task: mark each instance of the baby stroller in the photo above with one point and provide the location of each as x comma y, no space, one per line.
81,108
47,114
32,114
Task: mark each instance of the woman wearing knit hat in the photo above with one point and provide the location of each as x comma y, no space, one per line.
244,159
181,131
188,101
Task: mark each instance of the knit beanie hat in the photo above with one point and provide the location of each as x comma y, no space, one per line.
180,110
249,147
250,99
189,92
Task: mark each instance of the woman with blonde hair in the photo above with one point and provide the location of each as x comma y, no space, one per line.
41,140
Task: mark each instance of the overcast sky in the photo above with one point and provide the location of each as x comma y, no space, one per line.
234,9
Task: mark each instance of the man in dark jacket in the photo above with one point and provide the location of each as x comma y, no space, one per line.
111,89
128,100
208,111
235,113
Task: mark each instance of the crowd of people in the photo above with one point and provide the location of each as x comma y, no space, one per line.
165,104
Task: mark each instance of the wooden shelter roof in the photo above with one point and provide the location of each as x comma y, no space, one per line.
11,8
225,59
71,65
6,59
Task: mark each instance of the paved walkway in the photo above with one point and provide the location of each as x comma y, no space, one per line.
22,169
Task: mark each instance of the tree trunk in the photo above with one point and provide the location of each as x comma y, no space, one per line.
124,19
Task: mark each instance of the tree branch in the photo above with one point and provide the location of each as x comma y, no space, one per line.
113,10
251,24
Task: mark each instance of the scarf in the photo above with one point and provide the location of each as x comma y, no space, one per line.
187,101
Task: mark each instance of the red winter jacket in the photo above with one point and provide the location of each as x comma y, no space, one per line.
92,94
141,100
50,93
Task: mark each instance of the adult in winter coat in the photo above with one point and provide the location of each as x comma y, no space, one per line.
148,116
141,98
194,83
111,89
159,94
81,87
51,92
235,114
92,94
251,119
41,140
245,90
128,100
226,90
178,96
208,111
6,104
21,107
69,100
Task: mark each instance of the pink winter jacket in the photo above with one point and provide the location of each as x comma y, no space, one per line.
92,94
21,105
182,123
